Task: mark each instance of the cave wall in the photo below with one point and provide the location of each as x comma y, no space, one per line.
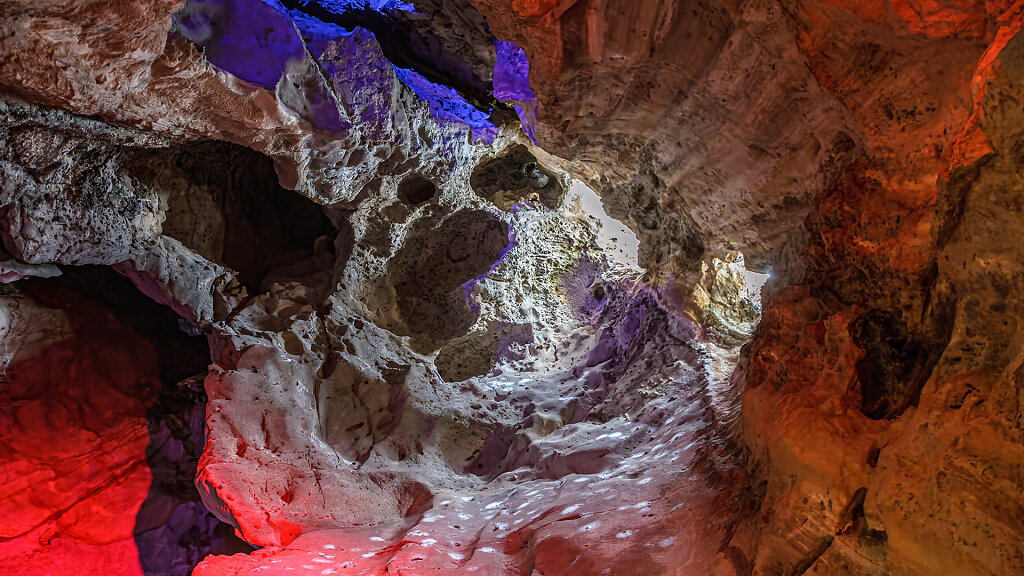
62,402
866,154
100,442
856,147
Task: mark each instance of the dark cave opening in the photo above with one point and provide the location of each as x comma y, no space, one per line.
898,361
415,190
173,530
261,225
515,176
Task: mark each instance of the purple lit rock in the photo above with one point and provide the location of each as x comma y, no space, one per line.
259,43
248,38
512,74
447,105
512,83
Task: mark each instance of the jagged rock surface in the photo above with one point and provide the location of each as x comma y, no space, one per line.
441,375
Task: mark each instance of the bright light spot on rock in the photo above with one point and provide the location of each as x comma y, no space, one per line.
754,281
731,294
619,242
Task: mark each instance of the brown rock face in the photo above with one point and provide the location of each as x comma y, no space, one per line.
700,123
900,489
877,144
443,358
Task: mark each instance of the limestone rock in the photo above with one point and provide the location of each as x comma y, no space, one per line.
469,286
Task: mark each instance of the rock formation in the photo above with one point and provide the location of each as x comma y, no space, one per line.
452,287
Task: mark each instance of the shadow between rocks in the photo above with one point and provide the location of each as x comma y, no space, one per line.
173,530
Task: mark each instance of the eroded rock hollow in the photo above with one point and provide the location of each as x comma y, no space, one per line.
531,288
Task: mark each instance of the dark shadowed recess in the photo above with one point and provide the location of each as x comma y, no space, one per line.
429,271
410,40
173,531
265,226
513,177
415,190
898,360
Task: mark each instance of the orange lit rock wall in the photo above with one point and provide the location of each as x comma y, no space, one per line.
881,408
867,154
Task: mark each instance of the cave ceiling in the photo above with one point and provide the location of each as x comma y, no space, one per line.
512,288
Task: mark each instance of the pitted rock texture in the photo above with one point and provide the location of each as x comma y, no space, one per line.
515,176
430,269
438,354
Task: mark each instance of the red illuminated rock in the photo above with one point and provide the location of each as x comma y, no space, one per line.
453,380
73,456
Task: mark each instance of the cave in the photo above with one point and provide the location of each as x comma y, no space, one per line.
511,288
513,177
415,190
224,202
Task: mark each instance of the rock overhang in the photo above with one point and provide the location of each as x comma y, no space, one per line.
577,398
